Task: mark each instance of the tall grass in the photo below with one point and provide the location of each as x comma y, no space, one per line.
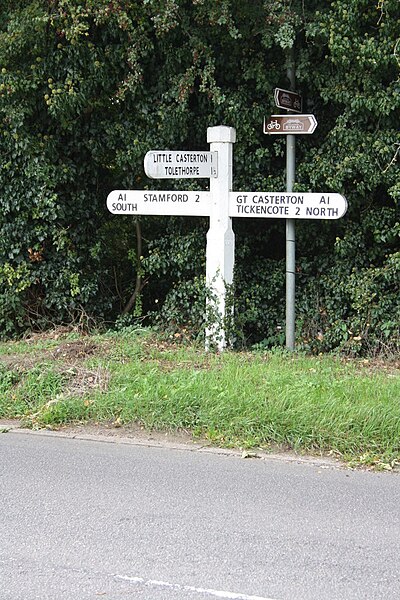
238,399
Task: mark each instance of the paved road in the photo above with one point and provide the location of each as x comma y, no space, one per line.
84,520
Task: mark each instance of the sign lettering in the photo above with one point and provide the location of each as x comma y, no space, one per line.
275,205
146,202
180,164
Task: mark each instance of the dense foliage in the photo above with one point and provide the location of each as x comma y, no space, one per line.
87,87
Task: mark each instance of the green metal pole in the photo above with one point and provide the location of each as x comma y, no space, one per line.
290,226
290,248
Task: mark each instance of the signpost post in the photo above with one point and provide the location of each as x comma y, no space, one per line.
220,253
220,204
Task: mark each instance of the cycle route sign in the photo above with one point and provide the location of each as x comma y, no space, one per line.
290,124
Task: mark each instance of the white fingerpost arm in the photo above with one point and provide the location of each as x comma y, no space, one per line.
220,253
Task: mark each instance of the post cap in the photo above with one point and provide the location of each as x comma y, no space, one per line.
221,133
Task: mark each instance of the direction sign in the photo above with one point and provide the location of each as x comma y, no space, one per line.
147,202
285,124
288,100
220,204
285,205
165,164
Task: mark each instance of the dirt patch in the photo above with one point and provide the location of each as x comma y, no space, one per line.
114,431
20,362
77,349
79,380
68,359
390,367
134,431
67,352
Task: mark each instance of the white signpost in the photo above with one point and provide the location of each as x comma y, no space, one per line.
220,204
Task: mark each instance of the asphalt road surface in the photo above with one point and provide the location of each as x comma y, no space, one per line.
84,520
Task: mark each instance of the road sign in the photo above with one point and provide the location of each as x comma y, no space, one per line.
287,205
220,204
288,100
165,164
147,202
285,124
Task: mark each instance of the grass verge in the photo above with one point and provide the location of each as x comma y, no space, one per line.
310,404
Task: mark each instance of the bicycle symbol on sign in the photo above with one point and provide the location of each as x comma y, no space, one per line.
273,125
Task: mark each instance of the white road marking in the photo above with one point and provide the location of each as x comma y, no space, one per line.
190,588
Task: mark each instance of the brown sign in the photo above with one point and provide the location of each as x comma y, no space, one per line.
288,100
285,124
